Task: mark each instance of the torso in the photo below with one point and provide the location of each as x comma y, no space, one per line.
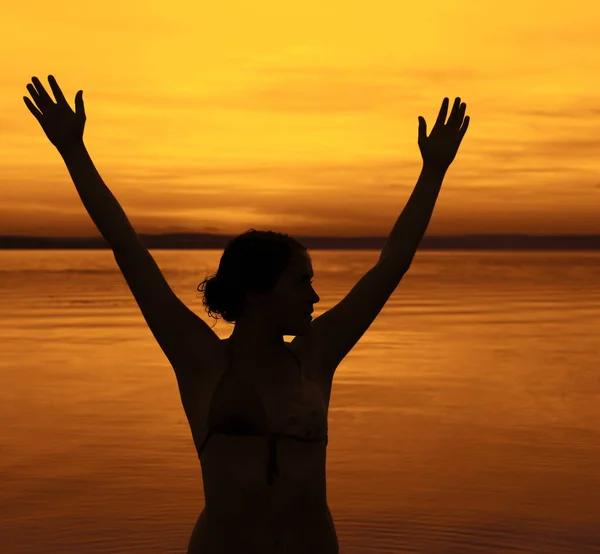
243,513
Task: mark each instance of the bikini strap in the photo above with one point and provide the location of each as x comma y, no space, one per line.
210,431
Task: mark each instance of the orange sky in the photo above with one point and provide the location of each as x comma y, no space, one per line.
303,118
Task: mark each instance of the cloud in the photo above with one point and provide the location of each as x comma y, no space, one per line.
308,89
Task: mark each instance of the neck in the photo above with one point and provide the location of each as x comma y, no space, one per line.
253,343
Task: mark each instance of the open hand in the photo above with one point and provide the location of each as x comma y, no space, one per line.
439,148
62,126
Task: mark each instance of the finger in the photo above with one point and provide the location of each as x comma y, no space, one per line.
441,118
460,115
37,114
43,95
79,107
463,129
453,119
422,129
34,95
60,97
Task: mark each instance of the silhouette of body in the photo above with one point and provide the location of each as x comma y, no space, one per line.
260,425
262,448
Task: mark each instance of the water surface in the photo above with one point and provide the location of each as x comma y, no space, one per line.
467,418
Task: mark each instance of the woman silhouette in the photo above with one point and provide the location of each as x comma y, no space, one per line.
256,405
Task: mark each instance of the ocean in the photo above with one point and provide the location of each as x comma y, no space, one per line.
466,419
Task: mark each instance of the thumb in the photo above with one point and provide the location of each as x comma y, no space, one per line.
79,108
422,129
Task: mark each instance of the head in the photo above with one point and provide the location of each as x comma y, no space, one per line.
263,286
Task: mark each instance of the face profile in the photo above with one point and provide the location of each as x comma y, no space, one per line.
294,297
290,304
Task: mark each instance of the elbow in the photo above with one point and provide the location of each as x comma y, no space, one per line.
395,265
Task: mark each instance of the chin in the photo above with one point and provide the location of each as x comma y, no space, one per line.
304,329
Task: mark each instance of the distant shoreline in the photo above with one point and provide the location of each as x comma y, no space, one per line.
182,241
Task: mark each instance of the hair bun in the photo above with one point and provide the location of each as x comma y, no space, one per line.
215,284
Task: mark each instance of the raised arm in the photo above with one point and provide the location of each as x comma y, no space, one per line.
64,128
438,151
183,336
335,332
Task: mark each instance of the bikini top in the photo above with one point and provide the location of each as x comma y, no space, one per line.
238,417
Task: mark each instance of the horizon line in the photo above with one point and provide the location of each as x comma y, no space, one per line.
207,241
297,235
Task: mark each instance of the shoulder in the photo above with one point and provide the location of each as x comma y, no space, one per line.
198,362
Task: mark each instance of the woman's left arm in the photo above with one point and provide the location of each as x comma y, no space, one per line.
438,150
334,333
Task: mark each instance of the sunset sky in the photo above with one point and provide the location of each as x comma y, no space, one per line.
302,117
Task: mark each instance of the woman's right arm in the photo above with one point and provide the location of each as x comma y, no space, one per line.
182,335
64,128
98,200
